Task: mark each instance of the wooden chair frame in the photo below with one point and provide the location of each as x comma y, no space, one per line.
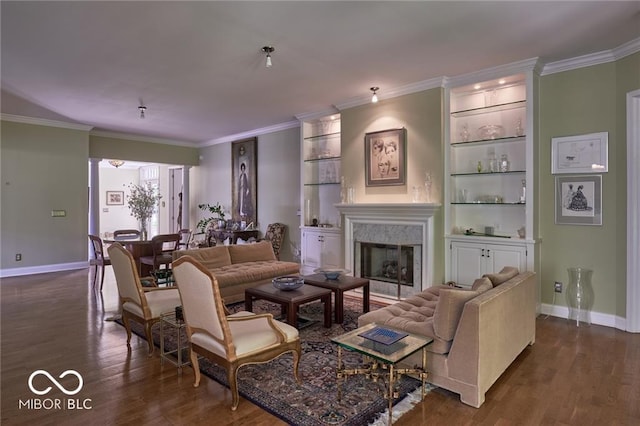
147,320
232,362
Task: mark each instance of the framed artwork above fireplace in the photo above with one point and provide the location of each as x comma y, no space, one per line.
385,162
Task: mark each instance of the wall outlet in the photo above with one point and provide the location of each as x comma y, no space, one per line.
557,287
18,257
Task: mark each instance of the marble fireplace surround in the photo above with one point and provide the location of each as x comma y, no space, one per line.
373,221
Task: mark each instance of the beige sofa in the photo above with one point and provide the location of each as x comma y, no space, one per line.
477,333
241,266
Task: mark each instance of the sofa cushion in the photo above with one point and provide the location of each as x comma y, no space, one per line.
251,252
210,257
505,274
258,271
448,311
482,284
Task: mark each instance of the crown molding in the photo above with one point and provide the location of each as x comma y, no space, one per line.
406,89
532,64
592,59
44,122
629,48
251,133
310,116
579,62
139,138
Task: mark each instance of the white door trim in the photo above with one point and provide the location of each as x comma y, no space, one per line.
633,212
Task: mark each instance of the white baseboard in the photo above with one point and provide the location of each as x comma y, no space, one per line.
608,320
30,270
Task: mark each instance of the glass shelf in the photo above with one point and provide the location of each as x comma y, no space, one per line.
488,173
326,135
315,160
478,203
480,142
493,108
323,183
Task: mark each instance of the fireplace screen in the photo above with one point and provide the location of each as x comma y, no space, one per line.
387,263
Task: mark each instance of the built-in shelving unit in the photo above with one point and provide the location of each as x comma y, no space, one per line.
321,173
489,182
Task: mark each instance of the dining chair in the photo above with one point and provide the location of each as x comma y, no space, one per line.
163,246
230,341
141,304
99,259
126,234
185,237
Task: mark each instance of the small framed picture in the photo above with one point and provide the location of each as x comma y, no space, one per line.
580,154
579,200
115,198
385,157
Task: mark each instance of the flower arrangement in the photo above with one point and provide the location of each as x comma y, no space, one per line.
215,209
142,202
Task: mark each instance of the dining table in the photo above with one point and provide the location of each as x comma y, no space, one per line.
138,247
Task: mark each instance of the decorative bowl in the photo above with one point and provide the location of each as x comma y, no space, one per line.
287,283
331,274
490,131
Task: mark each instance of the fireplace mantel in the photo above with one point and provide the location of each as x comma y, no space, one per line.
388,210
417,216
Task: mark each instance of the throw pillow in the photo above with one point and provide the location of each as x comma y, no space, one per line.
482,284
506,274
448,311
261,251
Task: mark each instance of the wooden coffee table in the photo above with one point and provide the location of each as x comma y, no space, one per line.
339,286
290,300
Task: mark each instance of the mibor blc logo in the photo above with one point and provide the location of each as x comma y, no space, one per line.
55,403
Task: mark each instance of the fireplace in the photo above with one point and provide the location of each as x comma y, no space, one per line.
382,239
392,266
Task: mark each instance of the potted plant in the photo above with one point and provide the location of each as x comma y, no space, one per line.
216,210
142,202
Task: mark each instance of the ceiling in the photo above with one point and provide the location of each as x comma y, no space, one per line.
199,69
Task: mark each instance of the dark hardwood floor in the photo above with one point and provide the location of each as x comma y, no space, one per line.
57,322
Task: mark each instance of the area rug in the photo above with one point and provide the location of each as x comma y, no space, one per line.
314,402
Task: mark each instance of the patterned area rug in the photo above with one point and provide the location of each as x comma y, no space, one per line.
314,402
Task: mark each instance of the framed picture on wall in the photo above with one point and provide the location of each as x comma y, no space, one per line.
115,198
244,187
580,154
385,162
579,200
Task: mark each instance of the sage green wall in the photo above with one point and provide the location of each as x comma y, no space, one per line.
148,152
421,114
43,169
278,155
587,100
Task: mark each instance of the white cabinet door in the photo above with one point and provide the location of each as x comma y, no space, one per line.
311,249
499,256
469,261
331,253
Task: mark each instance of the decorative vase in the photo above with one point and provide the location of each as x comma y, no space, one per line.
143,229
580,295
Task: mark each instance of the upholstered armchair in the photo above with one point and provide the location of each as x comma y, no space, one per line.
230,341
275,234
143,305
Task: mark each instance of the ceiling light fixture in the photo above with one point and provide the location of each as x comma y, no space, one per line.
268,50
142,109
374,98
116,163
